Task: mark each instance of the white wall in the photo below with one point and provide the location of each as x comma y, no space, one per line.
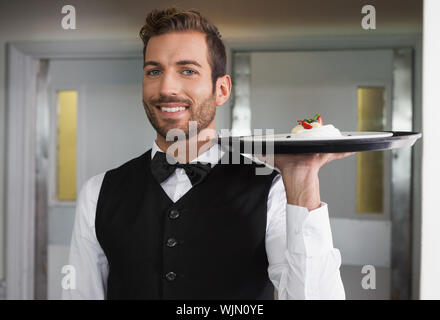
430,255
290,86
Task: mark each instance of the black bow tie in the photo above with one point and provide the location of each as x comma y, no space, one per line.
161,169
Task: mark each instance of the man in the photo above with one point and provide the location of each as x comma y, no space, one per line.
209,230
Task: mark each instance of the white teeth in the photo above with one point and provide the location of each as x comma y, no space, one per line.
175,109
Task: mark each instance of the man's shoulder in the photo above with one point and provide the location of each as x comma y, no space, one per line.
89,193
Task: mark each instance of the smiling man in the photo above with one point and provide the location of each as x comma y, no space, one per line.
178,84
200,228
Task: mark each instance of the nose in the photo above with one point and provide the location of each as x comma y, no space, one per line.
169,84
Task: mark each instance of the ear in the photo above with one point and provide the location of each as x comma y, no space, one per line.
223,89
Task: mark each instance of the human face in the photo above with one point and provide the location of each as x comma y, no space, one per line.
177,74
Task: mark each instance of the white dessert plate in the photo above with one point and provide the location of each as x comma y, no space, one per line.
345,136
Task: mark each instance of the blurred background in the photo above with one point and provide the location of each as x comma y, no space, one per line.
70,108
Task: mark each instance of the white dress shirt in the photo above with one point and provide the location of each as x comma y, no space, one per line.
302,261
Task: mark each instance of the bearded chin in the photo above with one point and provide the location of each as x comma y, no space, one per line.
203,118
154,121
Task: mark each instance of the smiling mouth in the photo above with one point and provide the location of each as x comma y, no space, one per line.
172,110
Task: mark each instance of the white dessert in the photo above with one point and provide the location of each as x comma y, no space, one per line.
325,131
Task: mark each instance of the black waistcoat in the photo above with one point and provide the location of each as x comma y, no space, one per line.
210,244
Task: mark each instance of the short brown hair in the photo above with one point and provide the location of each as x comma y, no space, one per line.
171,19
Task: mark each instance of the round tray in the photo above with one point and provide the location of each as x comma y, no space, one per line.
349,142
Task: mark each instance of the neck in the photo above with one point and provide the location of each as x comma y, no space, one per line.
185,151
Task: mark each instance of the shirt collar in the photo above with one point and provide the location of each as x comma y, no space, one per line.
212,155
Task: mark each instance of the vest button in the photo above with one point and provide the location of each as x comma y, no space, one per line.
171,276
174,214
171,242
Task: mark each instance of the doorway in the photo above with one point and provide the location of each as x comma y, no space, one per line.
111,128
369,195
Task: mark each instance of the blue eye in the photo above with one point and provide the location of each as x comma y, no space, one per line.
153,72
192,72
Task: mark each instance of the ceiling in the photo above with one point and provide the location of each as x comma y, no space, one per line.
40,19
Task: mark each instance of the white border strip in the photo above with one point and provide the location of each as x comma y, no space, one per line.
430,236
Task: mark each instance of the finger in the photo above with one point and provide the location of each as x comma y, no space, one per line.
336,156
343,155
348,154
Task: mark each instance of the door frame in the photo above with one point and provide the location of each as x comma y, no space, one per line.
405,283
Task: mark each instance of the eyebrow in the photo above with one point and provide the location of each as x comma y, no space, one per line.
180,63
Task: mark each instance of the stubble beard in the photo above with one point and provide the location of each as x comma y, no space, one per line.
204,114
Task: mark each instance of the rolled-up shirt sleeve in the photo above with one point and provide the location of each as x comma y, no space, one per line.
303,264
86,257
